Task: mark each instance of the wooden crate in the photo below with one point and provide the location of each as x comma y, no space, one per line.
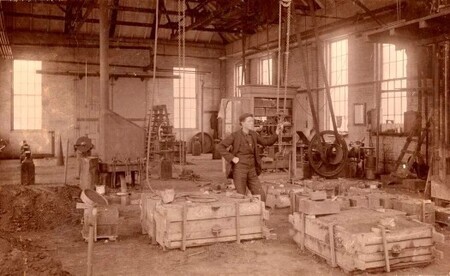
422,210
105,225
353,241
147,205
184,224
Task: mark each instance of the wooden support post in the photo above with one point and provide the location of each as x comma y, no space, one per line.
423,210
385,248
332,248
104,78
293,202
446,93
238,223
67,163
302,245
183,234
91,238
263,208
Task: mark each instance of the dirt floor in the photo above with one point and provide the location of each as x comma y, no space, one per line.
40,233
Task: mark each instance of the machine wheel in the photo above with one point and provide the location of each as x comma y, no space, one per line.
327,153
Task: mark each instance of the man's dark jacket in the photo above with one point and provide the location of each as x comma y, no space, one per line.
235,140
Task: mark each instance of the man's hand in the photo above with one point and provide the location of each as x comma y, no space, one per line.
280,127
235,160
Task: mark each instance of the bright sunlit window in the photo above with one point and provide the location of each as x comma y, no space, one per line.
27,95
265,71
185,101
393,87
238,79
338,75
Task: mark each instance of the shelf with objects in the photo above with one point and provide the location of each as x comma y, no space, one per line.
263,105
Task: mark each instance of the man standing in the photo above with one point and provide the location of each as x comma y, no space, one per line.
244,162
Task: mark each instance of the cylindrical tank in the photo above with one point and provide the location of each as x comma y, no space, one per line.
27,172
306,168
196,147
166,169
215,152
370,167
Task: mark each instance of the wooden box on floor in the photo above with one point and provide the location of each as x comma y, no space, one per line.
187,224
353,239
148,204
105,225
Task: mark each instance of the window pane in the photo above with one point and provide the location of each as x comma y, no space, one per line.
27,90
184,91
265,71
339,76
394,67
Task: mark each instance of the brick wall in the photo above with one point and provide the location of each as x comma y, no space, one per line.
70,105
361,70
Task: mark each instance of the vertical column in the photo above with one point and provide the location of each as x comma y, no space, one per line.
435,110
104,77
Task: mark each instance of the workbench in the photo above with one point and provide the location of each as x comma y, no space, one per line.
124,171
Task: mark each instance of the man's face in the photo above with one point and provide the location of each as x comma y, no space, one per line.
248,123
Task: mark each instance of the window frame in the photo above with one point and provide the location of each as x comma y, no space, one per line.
338,86
393,88
238,79
27,122
177,123
261,72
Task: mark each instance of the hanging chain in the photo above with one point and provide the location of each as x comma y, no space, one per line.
281,116
288,34
179,80
279,57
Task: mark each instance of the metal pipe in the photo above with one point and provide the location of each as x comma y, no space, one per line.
377,105
435,153
202,86
446,91
104,77
441,115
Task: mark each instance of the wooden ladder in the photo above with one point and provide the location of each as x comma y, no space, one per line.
161,132
421,132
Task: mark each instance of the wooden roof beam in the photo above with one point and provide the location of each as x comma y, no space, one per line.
368,11
207,20
113,24
79,23
172,25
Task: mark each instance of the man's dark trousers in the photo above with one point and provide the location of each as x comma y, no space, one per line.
245,175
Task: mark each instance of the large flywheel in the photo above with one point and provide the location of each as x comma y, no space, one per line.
327,153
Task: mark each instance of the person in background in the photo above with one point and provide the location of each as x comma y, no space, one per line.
243,160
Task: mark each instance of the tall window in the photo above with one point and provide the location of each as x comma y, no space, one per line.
27,93
338,75
185,102
393,87
265,71
238,79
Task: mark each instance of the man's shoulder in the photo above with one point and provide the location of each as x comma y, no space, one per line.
253,133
